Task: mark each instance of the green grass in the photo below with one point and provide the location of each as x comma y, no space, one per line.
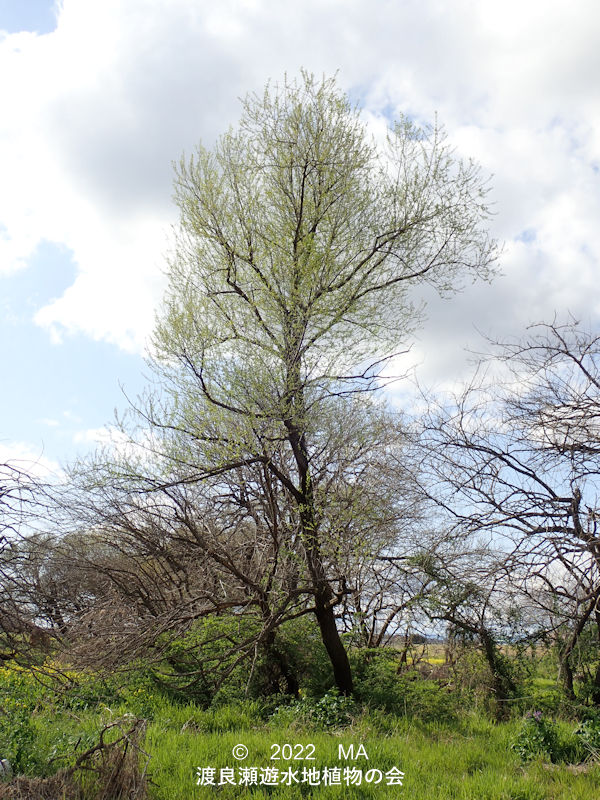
471,761
467,757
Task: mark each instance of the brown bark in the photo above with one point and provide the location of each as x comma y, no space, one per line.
324,597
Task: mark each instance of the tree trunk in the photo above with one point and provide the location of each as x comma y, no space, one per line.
322,591
324,606
279,667
503,684
334,646
324,597
565,669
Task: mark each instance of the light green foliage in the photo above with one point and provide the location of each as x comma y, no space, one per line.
300,237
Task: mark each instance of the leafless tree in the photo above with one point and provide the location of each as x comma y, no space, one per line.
23,503
517,459
163,552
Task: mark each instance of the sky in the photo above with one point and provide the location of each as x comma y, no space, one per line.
99,97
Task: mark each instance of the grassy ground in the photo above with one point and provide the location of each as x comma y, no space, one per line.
471,761
467,756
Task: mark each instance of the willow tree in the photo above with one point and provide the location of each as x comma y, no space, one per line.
292,282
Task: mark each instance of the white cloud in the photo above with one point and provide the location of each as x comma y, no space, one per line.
24,457
48,422
106,435
96,111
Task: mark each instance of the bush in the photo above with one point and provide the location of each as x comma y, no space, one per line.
550,701
300,641
472,680
201,666
540,737
88,691
380,685
20,696
17,737
195,663
333,710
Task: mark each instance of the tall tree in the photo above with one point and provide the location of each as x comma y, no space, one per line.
291,286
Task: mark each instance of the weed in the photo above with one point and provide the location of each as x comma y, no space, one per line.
541,737
589,736
333,710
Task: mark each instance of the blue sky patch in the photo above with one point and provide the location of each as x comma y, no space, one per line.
53,391
527,236
37,16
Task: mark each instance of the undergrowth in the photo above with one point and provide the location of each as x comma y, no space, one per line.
402,721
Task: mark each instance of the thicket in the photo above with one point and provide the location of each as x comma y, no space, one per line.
50,717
